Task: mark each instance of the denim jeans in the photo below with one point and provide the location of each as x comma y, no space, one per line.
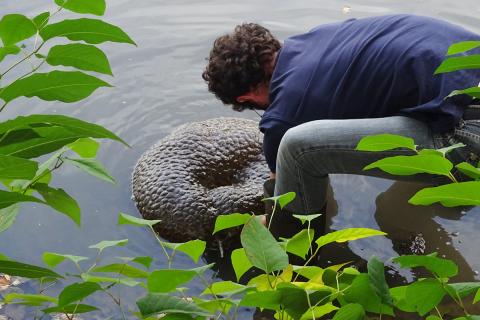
311,151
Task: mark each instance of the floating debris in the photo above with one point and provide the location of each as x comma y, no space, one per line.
418,244
346,9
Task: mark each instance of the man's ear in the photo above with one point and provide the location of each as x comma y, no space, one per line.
247,97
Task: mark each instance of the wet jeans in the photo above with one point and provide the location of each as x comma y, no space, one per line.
311,151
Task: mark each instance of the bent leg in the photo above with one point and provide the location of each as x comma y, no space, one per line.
311,151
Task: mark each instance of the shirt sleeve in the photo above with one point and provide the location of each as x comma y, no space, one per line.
271,141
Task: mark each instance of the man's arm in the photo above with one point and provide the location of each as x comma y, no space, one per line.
271,141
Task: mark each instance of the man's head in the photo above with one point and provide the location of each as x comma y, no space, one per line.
240,66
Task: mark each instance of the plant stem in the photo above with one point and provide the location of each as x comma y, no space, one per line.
452,177
3,106
22,60
33,70
273,213
57,165
438,312
161,244
209,287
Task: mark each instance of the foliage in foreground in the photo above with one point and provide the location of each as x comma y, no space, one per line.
289,291
59,139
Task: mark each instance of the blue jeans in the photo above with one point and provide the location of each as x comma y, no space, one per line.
311,151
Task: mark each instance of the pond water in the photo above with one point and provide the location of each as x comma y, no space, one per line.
158,86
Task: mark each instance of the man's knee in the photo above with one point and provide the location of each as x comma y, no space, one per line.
291,144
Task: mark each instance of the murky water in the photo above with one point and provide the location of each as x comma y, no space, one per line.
158,87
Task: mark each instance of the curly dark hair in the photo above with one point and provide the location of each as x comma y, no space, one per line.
239,61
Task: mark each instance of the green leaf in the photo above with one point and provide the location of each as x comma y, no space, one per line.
468,170
85,147
432,152
224,288
127,219
464,289
10,198
92,167
383,142
14,268
347,235
409,165
316,312
123,269
449,195
294,300
361,291
442,151
201,270
477,297
125,281
446,150
459,63
442,268
53,259
65,86
351,311
145,261
71,309
240,262
226,221
82,128
309,272
49,139
222,305
282,199
59,200
300,243
265,299
8,216
376,274
261,248
81,56
28,299
91,31
17,168
306,217
157,303
474,92
431,317
77,292
96,7
5,51
106,244
463,46
15,28
41,20
193,248
424,295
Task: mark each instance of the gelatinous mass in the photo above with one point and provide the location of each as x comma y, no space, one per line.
199,171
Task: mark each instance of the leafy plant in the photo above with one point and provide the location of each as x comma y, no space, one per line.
462,62
289,291
64,139
426,161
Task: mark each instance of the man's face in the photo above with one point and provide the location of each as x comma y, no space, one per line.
256,98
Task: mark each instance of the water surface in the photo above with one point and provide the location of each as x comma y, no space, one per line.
158,86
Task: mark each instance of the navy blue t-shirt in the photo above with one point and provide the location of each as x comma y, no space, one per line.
366,68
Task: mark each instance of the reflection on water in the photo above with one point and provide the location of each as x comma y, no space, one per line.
158,87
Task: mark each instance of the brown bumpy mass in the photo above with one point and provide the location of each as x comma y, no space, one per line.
201,170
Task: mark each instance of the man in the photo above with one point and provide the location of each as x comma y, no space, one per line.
356,78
